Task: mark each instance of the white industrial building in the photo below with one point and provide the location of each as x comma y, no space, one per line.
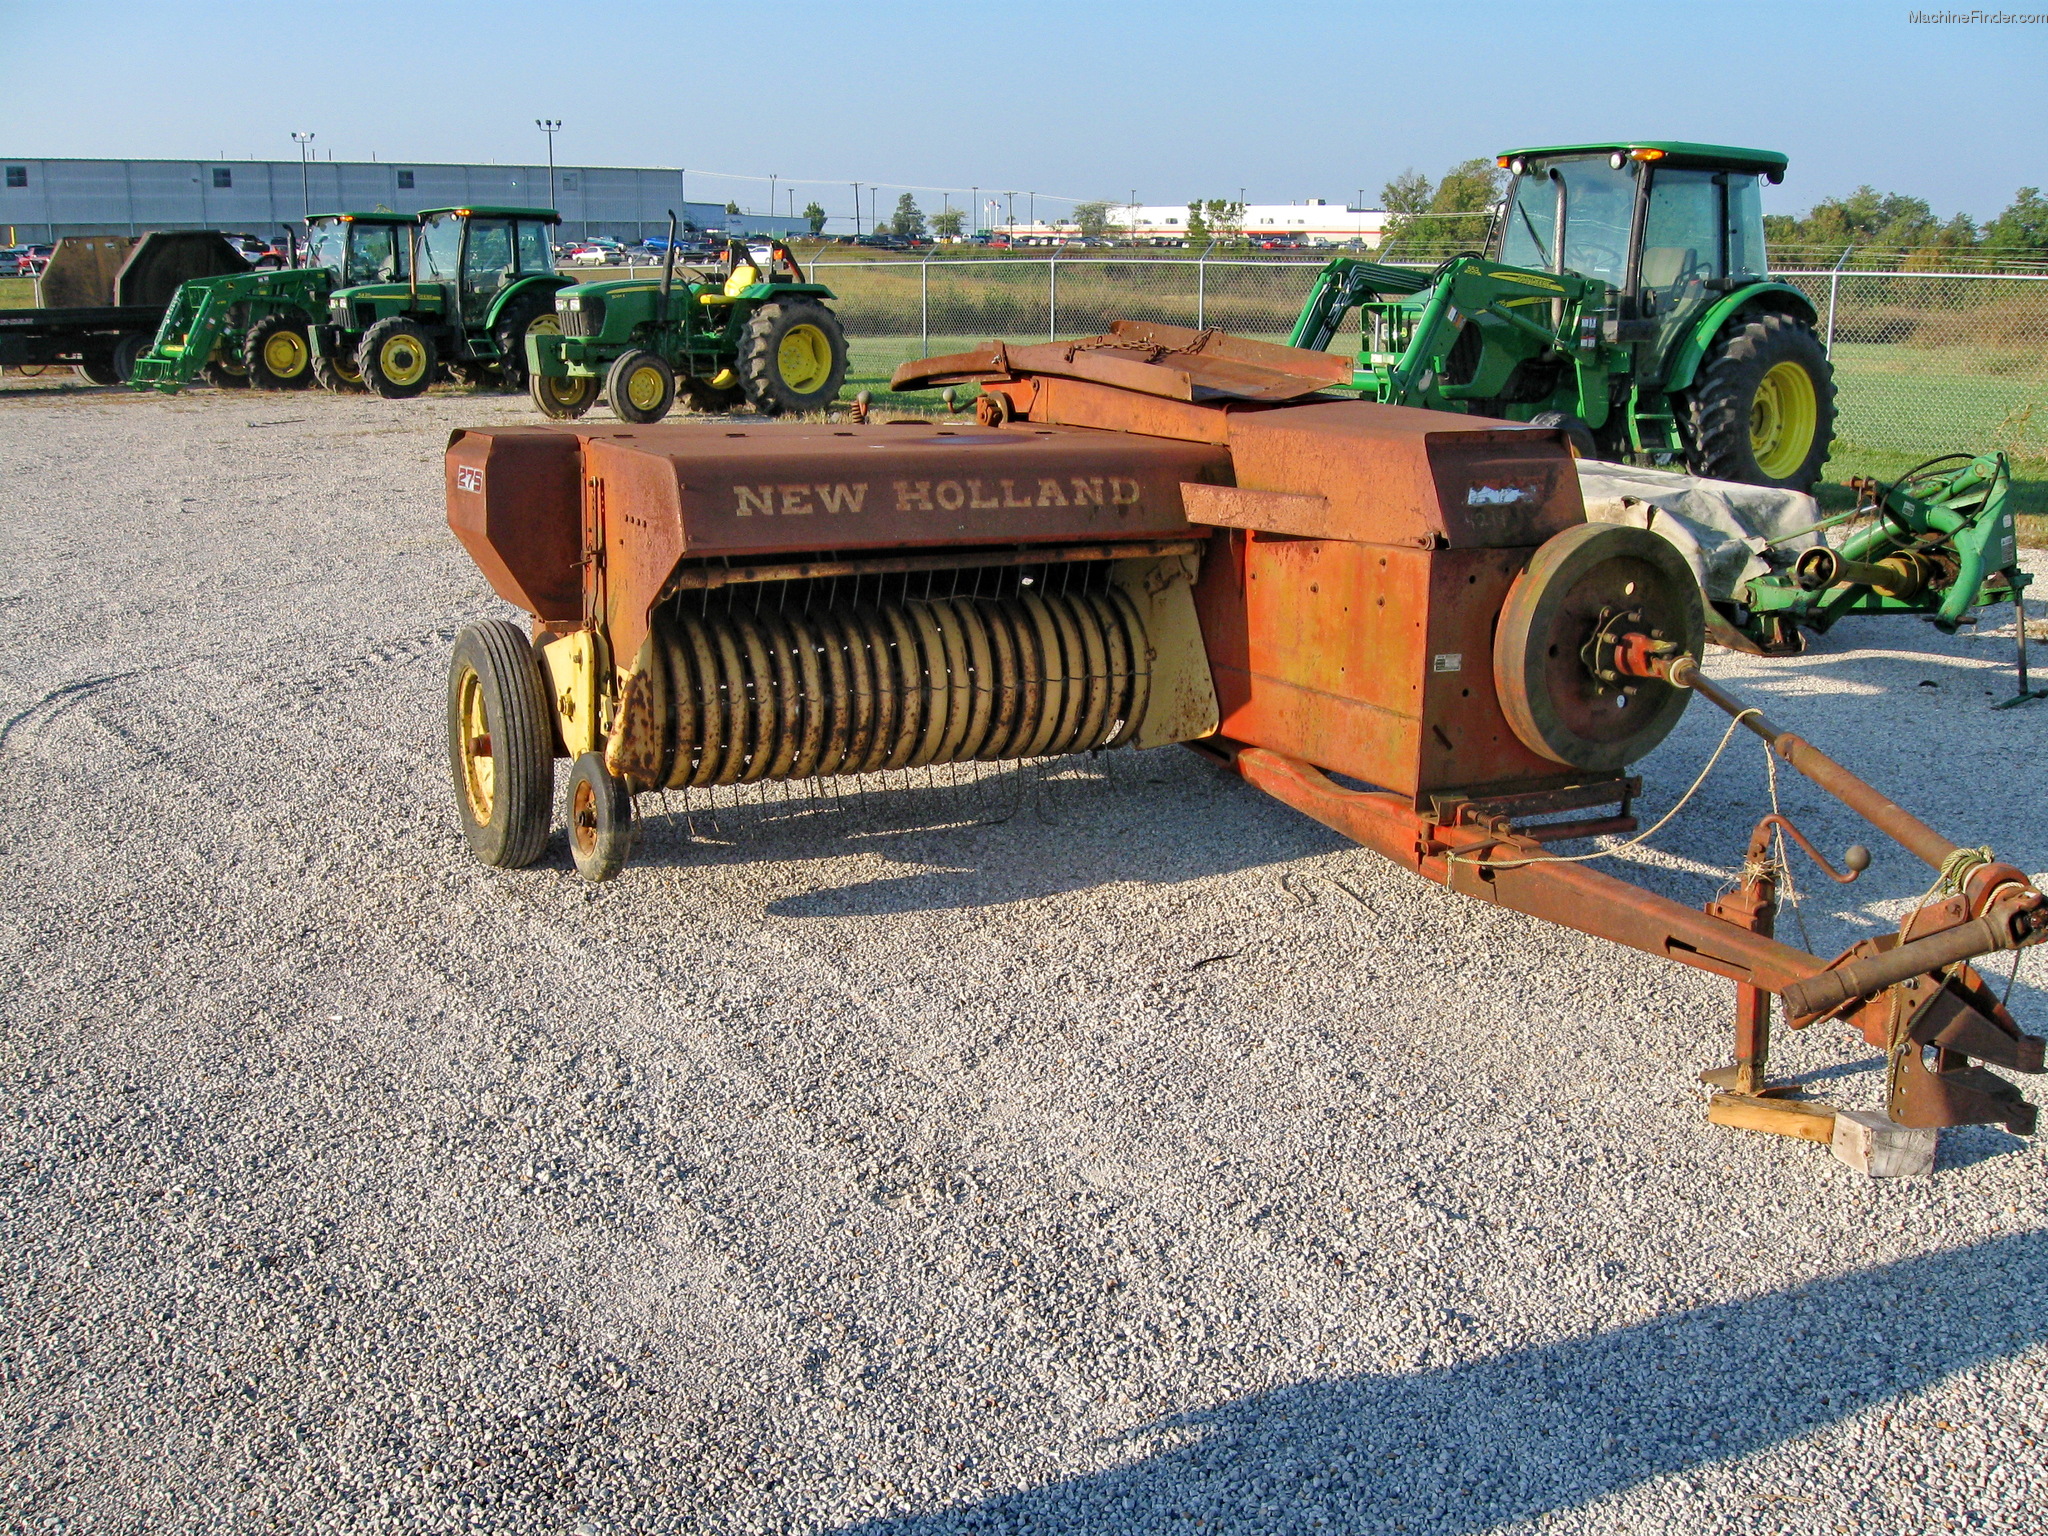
43,200
1314,222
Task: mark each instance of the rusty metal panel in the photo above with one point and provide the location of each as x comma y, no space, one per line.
513,503
668,493
1079,403
1393,475
1372,660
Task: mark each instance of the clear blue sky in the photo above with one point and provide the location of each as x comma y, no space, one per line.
1313,98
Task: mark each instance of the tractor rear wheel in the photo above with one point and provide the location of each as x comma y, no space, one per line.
334,366
792,358
500,744
563,397
1763,405
396,359
641,387
279,351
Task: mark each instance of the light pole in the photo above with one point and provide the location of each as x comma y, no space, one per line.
550,126
856,210
771,194
304,141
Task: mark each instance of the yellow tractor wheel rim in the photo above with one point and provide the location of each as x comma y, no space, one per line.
545,325
345,366
402,359
644,388
226,364
803,358
1783,418
479,770
567,391
285,354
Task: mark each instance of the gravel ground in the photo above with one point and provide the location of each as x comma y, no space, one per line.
1101,1148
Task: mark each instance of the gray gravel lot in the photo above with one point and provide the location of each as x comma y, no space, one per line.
1100,1148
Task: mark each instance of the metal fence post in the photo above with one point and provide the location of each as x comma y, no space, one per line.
1052,296
924,305
1202,287
1834,285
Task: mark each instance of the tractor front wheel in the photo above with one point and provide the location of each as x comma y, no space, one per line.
563,397
792,358
396,359
641,387
279,351
334,366
129,351
224,372
1763,405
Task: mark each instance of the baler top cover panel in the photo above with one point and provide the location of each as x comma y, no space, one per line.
1170,361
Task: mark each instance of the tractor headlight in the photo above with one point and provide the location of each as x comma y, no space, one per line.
569,301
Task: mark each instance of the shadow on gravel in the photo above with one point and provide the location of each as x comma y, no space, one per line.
1514,1437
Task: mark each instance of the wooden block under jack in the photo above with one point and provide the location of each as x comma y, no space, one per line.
1875,1144
1780,1117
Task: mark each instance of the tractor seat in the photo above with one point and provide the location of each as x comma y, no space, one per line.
1664,265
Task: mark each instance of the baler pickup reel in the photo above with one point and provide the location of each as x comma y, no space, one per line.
1397,621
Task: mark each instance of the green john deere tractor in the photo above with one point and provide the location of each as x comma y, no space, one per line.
752,329
481,281
255,328
1623,298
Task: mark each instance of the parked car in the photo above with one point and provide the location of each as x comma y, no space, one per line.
35,259
1279,243
13,259
596,253
259,252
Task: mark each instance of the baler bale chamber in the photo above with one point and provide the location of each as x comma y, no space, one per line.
1396,621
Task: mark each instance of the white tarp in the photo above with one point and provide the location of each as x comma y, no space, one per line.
1721,527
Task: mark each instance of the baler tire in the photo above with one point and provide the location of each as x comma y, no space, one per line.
777,338
99,370
562,397
336,371
626,386
1764,376
267,337
600,817
504,794
371,360
129,351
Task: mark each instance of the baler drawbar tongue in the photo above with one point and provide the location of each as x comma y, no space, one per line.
1171,361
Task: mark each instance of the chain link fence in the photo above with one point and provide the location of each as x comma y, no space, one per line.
1926,362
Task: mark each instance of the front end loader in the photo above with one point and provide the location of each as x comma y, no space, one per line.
255,328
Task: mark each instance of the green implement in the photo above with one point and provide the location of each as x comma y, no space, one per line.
750,330
256,328
1623,299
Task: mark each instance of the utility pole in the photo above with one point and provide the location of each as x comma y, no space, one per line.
305,175
772,179
973,210
856,210
550,126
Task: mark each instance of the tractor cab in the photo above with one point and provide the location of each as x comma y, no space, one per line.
360,248
479,280
1668,227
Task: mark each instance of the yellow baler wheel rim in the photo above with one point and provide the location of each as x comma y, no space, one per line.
803,358
286,354
1784,415
479,770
